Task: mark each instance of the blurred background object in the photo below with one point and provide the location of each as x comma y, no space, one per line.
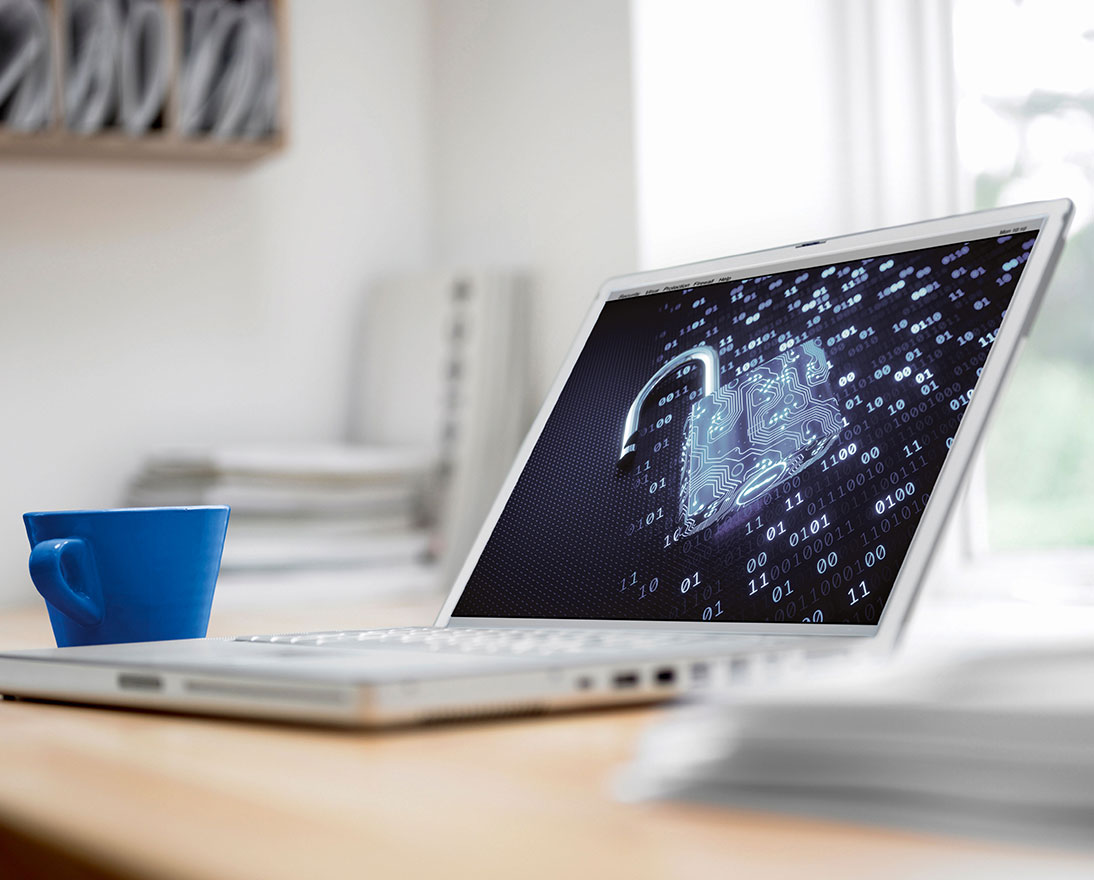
93,28
300,506
26,65
229,80
144,65
489,405
304,301
443,364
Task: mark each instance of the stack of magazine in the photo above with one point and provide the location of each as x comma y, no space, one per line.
998,745
303,506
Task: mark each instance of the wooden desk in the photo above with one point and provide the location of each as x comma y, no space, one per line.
95,793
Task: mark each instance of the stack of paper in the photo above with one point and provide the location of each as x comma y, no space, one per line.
999,744
301,506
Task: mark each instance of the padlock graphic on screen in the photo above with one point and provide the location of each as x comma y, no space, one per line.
743,439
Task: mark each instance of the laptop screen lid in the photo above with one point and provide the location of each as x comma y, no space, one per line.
767,443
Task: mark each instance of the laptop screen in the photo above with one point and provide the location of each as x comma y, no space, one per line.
754,449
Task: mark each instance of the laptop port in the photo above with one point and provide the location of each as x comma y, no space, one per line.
584,683
135,682
665,676
738,668
625,680
699,672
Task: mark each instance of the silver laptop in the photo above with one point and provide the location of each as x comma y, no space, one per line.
742,459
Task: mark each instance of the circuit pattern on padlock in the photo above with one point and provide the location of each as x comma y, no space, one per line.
754,433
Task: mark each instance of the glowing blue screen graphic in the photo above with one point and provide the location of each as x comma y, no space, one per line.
750,450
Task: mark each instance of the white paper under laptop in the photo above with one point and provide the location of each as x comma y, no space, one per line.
749,456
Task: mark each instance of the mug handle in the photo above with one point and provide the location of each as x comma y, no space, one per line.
54,565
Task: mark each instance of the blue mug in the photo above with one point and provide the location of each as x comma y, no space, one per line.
129,575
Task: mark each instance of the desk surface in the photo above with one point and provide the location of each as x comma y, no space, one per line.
104,792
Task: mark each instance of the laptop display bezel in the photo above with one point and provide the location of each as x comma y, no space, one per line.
1050,216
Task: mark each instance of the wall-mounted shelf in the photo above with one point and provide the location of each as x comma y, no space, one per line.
112,145
166,139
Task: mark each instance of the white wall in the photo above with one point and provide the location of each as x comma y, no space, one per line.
737,127
159,304
533,140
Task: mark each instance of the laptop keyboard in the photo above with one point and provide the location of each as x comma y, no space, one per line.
527,642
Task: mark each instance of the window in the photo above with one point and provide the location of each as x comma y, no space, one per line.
1025,125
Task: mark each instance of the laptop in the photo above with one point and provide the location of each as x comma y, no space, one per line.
743,463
